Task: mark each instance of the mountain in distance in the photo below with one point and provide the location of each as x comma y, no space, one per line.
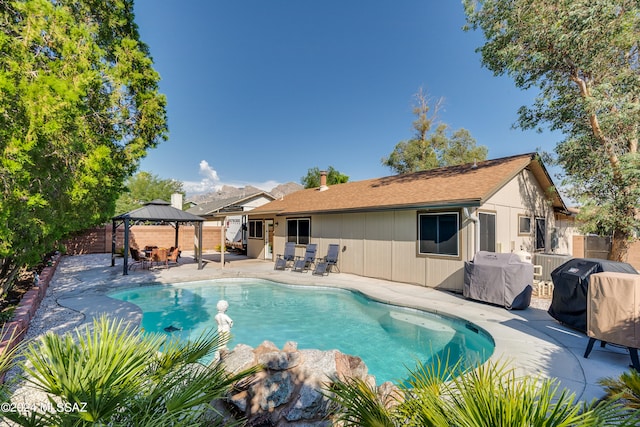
229,191
284,189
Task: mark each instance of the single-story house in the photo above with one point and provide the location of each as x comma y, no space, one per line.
230,213
420,227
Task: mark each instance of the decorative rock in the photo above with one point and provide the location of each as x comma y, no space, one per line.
310,402
290,347
279,360
352,365
275,390
239,400
389,394
266,347
241,358
290,390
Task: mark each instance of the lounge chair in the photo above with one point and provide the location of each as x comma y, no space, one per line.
302,264
284,261
137,259
330,261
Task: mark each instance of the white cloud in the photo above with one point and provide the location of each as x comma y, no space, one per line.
208,172
211,182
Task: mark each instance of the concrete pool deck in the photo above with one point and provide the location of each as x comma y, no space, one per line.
529,340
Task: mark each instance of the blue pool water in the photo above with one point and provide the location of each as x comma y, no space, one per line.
389,339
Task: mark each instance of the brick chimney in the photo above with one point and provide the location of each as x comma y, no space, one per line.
323,181
176,200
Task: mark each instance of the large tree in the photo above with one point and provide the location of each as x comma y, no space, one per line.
312,178
583,56
432,144
79,107
144,187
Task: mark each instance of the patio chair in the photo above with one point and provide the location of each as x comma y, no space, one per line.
172,258
137,259
160,256
304,263
284,261
324,267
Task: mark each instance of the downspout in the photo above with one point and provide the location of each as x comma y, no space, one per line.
476,234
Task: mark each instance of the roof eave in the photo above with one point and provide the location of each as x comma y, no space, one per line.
541,174
133,218
421,206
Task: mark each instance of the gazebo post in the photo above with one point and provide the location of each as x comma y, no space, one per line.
113,243
223,241
125,264
199,248
176,242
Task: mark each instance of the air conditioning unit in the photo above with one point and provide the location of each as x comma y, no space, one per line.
550,262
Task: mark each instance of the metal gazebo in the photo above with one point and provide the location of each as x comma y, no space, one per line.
157,211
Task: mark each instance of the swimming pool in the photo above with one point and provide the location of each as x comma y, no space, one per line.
388,338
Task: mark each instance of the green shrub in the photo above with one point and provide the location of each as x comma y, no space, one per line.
109,374
625,389
490,395
7,313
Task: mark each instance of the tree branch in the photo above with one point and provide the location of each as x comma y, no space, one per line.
585,92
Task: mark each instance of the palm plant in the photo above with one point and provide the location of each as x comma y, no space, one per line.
11,346
626,388
489,395
113,375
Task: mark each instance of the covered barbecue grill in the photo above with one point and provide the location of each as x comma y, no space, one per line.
501,279
613,312
571,285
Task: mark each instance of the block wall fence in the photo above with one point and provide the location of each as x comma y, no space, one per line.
98,240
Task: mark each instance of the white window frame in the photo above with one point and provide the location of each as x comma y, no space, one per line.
521,231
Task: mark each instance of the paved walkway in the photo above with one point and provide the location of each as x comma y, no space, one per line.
530,340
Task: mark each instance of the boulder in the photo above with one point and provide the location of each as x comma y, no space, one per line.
291,388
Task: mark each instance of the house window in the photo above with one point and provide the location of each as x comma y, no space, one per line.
524,224
487,231
255,229
299,231
438,233
541,232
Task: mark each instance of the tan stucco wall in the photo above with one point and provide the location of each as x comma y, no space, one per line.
521,196
255,248
377,244
384,244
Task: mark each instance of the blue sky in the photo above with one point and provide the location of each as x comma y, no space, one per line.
259,91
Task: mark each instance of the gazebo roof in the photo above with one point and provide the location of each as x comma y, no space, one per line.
159,210
156,211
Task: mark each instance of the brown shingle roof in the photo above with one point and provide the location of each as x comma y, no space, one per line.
454,185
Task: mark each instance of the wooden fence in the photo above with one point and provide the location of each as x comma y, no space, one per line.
599,247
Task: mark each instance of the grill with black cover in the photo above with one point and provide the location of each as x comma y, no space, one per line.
571,285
